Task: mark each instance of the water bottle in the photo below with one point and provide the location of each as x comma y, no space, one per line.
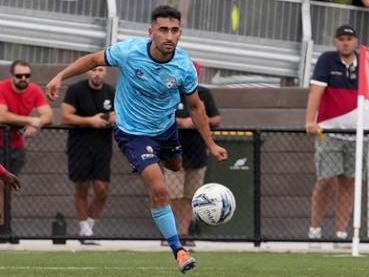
59,229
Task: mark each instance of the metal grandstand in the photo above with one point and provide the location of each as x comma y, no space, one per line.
274,37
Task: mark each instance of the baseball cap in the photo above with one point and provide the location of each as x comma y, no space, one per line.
345,30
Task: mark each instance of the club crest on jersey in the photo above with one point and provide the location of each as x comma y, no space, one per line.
171,82
139,73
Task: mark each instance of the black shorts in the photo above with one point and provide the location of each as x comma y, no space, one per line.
89,163
142,151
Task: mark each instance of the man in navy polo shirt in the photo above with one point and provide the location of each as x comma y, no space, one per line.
332,104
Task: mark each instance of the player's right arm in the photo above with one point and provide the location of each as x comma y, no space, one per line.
315,94
80,66
200,120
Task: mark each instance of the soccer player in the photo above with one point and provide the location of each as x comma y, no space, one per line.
152,72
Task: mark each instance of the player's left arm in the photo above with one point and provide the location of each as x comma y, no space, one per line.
211,110
200,120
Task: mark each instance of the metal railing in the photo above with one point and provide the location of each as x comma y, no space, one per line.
270,37
277,20
37,54
56,33
89,8
226,51
326,17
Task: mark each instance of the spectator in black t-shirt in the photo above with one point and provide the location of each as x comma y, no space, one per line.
88,106
184,183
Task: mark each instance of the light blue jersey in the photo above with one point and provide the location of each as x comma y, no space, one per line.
147,93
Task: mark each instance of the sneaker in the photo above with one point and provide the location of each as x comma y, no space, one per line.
91,222
85,230
184,261
315,233
341,235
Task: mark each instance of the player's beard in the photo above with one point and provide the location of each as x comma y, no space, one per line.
21,85
166,52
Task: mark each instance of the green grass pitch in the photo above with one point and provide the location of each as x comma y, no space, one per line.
219,264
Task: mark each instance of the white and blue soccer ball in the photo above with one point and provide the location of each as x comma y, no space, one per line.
213,204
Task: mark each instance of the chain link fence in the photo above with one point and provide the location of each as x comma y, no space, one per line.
292,200
272,174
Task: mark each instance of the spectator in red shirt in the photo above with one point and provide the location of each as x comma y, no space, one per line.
18,98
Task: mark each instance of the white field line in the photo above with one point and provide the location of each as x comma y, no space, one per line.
82,268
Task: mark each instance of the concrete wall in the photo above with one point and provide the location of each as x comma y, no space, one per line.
269,107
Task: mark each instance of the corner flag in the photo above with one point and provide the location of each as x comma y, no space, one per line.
364,71
363,95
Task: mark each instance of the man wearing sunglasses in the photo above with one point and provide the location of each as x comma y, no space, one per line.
18,98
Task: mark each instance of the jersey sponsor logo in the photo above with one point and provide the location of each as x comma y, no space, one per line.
150,153
171,83
147,156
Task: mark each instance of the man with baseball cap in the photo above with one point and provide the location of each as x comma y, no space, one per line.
332,104
345,30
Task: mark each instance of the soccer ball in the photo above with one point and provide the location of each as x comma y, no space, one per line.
213,204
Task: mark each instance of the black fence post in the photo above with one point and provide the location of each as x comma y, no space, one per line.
257,190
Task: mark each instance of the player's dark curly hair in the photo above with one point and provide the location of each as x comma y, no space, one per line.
166,12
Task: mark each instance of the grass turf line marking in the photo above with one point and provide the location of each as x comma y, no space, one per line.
80,268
